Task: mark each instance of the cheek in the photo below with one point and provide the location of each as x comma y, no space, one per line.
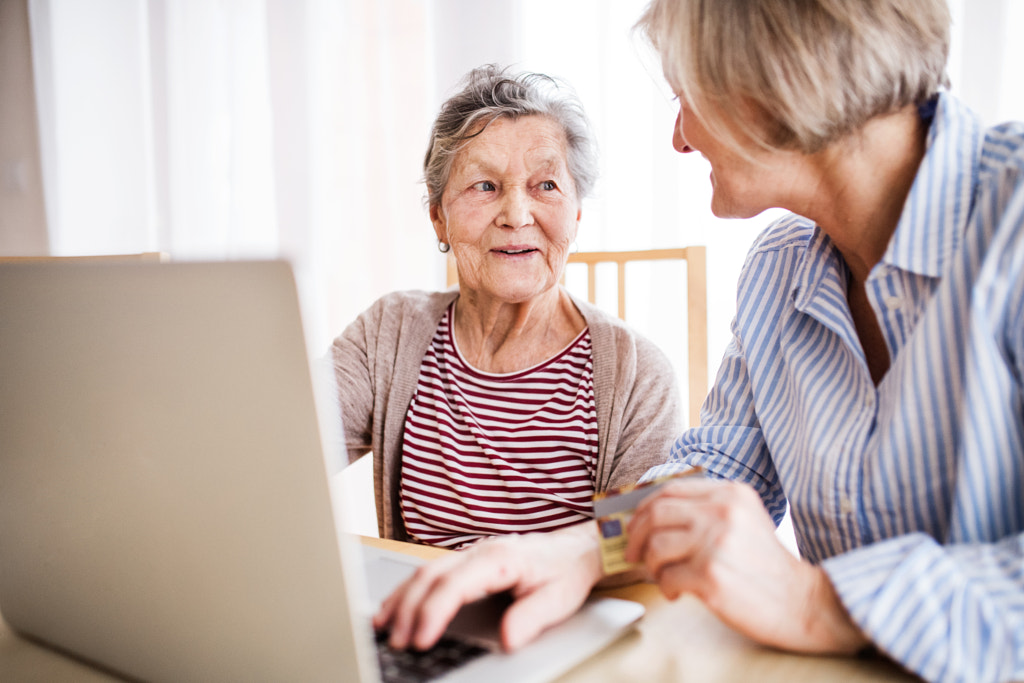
561,222
465,223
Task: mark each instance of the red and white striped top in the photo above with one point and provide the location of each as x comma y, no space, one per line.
489,454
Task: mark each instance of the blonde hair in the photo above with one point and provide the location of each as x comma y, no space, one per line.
804,73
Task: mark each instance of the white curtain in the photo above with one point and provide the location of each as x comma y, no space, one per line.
295,128
242,129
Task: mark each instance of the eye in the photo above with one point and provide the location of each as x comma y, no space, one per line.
548,185
484,186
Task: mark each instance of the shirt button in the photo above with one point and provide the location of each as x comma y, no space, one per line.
845,505
893,303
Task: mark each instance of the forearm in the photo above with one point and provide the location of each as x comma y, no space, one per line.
584,541
826,625
792,608
910,593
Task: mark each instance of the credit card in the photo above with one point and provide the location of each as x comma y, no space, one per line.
614,508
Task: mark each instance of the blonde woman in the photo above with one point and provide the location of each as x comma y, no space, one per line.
875,379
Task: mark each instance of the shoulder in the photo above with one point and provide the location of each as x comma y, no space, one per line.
778,252
990,160
998,198
1003,149
410,305
787,233
398,317
1000,182
614,341
604,327
995,237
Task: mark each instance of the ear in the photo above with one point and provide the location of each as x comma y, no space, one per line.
440,229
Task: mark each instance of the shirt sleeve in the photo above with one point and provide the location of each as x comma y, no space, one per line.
948,613
730,443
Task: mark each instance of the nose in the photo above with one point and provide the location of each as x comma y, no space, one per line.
678,141
515,208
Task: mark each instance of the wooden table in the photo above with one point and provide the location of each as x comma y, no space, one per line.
680,641
675,642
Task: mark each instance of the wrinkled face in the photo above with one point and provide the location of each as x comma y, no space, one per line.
510,210
744,181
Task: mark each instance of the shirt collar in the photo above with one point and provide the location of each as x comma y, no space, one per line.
935,214
937,208
820,266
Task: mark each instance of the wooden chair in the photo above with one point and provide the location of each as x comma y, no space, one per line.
696,304
146,256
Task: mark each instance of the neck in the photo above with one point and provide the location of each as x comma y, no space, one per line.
863,183
498,336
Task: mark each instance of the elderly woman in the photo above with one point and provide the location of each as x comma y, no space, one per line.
504,405
876,378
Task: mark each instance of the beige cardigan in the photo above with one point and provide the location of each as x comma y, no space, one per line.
377,363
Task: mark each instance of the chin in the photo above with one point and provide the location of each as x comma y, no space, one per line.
519,294
522,295
725,210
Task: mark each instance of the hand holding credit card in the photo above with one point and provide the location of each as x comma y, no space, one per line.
614,508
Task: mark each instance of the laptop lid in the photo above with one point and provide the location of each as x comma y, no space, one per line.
164,504
165,507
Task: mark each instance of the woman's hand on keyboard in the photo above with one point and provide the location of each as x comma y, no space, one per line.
549,575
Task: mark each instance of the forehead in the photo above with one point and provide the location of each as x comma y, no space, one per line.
535,141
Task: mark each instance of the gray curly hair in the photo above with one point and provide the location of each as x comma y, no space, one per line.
490,92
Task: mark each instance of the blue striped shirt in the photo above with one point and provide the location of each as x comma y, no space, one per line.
910,494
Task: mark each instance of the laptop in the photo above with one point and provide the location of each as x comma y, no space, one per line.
165,504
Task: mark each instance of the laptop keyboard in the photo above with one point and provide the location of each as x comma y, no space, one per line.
410,666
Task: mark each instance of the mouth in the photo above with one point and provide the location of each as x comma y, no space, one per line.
515,251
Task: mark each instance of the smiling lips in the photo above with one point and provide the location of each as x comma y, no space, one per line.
515,251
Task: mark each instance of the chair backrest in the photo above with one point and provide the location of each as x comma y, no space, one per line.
696,304
146,256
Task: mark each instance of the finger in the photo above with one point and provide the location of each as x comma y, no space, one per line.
466,584
385,612
532,614
388,613
401,608
391,605
688,488
427,606
670,547
677,578
664,513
